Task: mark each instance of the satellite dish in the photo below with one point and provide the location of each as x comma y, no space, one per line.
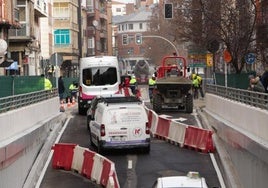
3,46
95,23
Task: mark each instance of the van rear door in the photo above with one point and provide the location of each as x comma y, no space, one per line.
126,124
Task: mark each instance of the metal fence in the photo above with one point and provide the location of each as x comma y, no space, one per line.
251,98
18,101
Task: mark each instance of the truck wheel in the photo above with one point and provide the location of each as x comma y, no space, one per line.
88,121
157,103
189,103
81,111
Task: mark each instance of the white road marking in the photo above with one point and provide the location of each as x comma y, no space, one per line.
216,167
129,165
180,119
50,155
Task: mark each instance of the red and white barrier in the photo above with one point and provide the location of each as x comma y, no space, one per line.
86,162
179,133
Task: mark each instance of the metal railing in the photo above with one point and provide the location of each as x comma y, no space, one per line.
251,98
18,101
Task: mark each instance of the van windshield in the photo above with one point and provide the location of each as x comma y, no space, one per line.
99,76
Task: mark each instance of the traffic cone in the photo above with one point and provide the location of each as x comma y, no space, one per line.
73,101
62,109
69,104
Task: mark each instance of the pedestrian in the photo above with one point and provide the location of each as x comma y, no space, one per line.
47,83
61,88
264,80
133,84
151,83
255,84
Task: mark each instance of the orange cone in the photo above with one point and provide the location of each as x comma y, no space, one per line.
62,109
73,101
69,102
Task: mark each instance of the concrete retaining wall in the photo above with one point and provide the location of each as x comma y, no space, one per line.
250,121
23,133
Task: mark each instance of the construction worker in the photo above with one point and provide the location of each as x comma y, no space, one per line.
73,90
133,84
195,86
199,78
47,83
151,83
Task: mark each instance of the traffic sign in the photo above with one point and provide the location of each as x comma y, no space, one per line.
250,58
227,56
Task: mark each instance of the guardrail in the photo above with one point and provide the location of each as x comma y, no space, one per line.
18,101
251,98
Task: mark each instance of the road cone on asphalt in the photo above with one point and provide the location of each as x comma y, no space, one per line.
62,109
73,101
69,104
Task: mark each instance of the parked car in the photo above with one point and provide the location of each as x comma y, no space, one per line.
118,122
192,180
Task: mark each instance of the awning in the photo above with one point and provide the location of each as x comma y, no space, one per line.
6,63
13,66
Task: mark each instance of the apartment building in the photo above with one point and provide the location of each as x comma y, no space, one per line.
129,29
24,42
9,18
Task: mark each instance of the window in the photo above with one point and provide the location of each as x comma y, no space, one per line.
99,76
130,39
61,10
141,26
118,9
91,43
130,26
123,27
124,39
61,36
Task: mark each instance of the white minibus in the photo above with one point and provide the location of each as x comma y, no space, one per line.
99,75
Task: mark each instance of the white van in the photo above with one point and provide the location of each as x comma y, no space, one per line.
118,123
99,75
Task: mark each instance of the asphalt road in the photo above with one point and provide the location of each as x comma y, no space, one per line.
134,168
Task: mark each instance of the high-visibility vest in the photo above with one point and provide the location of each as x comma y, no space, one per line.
151,82
195,83
48,84
132,81
72,87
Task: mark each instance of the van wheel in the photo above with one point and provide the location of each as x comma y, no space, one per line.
147,150
157,103
90,140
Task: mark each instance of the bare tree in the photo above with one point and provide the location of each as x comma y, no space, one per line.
232,23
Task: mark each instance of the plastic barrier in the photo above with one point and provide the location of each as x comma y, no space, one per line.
162,128
88,163
200,139
150,117
154,122
177,132
63,155
78,158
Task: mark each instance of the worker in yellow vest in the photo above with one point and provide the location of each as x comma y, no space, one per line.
133,84
151,83
47,83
